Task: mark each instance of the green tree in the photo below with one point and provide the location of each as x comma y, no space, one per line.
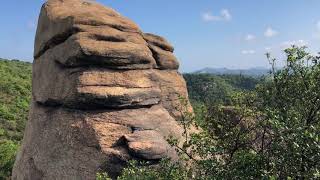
291,104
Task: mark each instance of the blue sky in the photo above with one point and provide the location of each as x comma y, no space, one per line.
205,33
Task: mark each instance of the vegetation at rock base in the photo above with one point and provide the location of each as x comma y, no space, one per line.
253,128
140,170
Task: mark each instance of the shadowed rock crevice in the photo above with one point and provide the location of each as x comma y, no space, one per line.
50,103
129,61
103,93
107,38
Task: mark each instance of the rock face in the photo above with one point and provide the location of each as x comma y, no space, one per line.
103,93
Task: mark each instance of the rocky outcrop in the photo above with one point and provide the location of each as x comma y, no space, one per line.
103,93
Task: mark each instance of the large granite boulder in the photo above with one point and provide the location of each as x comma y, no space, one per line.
103,93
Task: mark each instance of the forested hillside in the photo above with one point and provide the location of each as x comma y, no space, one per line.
218,88
15,90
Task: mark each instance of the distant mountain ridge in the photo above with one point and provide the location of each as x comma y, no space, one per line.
257,71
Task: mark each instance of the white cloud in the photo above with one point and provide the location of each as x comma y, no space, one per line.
209,17
288,44
270,32
250,51
225,15
250,37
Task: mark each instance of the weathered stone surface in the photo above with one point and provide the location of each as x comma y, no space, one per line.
174,93
92,34
70,144
84,49
60,144
154,118
103,93
58,20
91,88
71,86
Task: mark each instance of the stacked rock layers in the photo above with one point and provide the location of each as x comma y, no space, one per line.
103,93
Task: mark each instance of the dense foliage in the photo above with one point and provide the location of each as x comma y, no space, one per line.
15,90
